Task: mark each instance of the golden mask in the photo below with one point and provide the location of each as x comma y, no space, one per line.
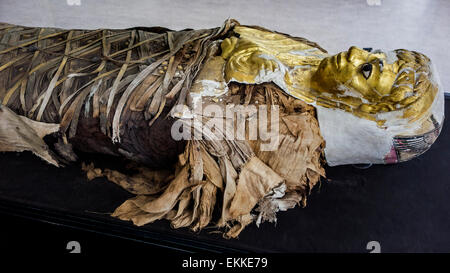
357,81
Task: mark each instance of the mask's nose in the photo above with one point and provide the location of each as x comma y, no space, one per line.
355,52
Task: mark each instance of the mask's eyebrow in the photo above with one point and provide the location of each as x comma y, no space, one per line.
379,56
379,61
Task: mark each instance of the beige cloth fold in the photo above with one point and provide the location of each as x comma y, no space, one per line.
254,184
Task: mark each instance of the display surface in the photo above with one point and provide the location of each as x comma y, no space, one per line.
161,98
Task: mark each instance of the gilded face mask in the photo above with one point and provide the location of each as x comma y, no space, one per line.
372,107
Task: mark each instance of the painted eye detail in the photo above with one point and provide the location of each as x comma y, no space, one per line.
380,62
366,69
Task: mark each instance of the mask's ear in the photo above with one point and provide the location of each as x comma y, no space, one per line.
18,134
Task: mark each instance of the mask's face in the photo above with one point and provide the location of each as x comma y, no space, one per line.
368,84
369,74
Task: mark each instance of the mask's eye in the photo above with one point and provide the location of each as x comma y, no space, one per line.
366,70
380,62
